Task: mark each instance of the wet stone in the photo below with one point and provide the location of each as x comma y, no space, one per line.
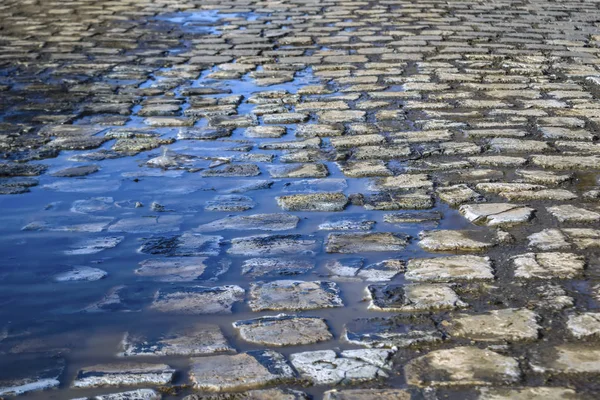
584,325
325,367
76,171
528,393
449,269
496,214
265,131
548,265
358,242
294,295
448,240
14,169
203,133
254,369
27,376
94,245
397,331
458,194
232,170
354,269
347,223
230,203
182,269
313,202
273,267
315,186
568,359
187,244
137,145
413,297
197,300
138,394
161,224
299,171
283,330
259,394
367,394
86,274
267,245
497,325
264,222
462,366
123,374
569,213
198,339
407,217
364,169
549,239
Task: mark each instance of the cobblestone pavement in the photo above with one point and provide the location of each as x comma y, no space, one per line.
296,199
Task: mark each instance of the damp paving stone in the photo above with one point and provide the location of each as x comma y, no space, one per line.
230,203
364,169
183,269
407,217
232,170
254,369
263,222
398,331
160,224
413,297
315,185
258,394
32,375
402,182
270,245
568,359
528,393
313,202
497,214
354,269
71,172
265,131
275,267
283,330
325,367
185,245
197,300
583,238
203,133
17,169
468,366
458,194
509,324
299,171
359,242
94,245
584,325
69,224
196,339
367,394
294,295
123,374
454,240
551,265
85,274
347,223
132,146
100,186
570,213
138,394
549,239
449,269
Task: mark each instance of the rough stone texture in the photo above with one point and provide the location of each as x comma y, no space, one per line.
548,265
269,245
398,331
294,295
496,214
365,242
447,240
449,269
462,366
367,394
283,330
569,359
313,202
263,222
325,367
124,374
414,297
529,393
584,325
508,324
249,370
197,299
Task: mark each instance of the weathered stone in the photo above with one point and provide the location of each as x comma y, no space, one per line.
364,169
82,170
367,394
548,265
198,339
264,222
413,297
458,194
197,300
325,367
568,359
449,269
87,274
283,330
187,244
233,170
124,374
347,223
354,269
509,324
549,239
313,202
403,182
138,394
230,203
462,366
257,267
258,394
299,171
398,331
294,295
160,224
528,393
569,213
447,240
267,245
584,325
496,214
358,242
249,370
182,269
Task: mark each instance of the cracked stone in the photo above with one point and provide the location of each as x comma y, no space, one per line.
413,297
497,214
548,265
